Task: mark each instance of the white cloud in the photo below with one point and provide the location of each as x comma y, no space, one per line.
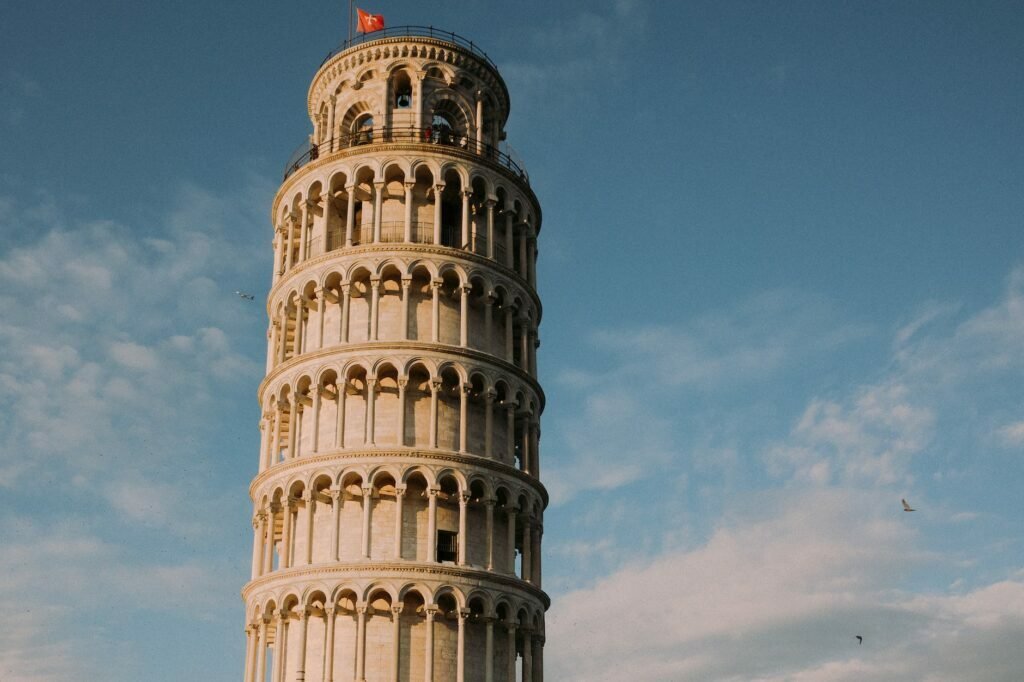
116,350
870,438
1012,435
780,597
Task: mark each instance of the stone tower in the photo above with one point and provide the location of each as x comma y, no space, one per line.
398,509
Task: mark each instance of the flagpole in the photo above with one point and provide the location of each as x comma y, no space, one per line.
350,21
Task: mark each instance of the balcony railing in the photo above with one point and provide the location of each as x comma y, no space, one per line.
444,137
412,32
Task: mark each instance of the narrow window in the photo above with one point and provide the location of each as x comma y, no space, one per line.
447,546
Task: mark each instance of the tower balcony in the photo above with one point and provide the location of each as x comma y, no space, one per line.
437,136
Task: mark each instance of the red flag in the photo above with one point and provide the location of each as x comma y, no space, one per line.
368,23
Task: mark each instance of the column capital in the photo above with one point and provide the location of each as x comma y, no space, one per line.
464,614
330,609
374,281
439,187
431,610
335,493
378,185
400,491
465,388
490,203
490,395
466,193
302,613
435,385
397,610
464,499
362,609
406,282
409,184
367,491
436,283
433,492
307,495
283,614
465,289
403,382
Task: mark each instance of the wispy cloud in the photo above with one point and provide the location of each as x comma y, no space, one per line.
780,597
118,345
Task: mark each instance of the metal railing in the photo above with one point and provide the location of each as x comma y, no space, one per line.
444,137
412,32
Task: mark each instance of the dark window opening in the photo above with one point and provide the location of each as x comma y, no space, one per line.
447,546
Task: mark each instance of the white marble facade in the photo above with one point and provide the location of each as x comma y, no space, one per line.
398,510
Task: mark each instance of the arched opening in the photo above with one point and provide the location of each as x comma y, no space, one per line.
476,525
423,206
304,418
336,207
392,227
450,307
451,210
421,305
382,539
476,641
385,404
389,305
359,306
448,408
362,231
345,633
501,439
477,327
413,633
414,518
315,235
350,537
448,540
476,416
323,519
502,549
501,239
379,635
478,216
355,407
417,407
446,636
332,309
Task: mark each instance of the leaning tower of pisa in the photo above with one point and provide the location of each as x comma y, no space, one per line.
398,510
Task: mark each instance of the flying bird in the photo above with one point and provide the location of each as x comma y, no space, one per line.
248,297
860,640
907,507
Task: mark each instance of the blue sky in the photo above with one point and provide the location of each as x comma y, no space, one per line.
782,263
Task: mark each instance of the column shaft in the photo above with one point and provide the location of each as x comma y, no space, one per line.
329,645
367,507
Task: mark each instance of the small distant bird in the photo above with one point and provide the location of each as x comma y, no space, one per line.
248,297
907,507
860,640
